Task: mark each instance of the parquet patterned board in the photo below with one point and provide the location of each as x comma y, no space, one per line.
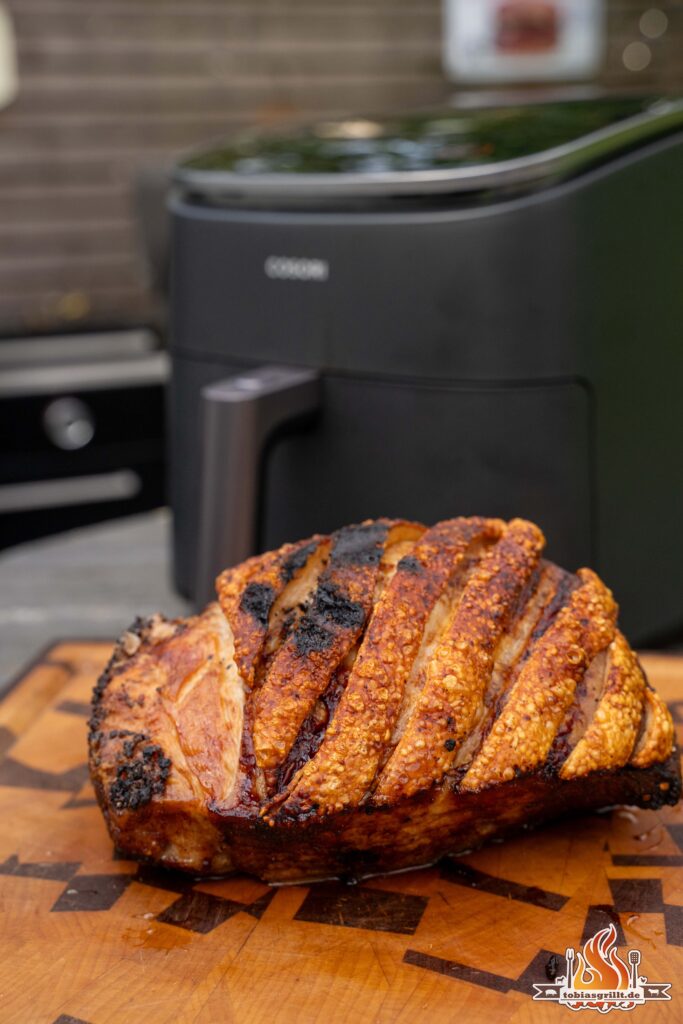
86,937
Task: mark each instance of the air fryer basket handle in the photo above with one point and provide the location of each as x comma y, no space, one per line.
238,416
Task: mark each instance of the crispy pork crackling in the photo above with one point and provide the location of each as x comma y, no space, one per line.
372,700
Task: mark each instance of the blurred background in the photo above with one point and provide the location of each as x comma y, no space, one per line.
107,89
98,100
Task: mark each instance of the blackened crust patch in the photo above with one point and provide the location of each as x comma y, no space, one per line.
296,561
140,777
310,636
138,628
411,564
332,604
118,659
121,658
330,611
359,545
257,600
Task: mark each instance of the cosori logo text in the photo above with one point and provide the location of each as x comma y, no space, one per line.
296,268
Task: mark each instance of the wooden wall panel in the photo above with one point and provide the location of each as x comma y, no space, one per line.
109,87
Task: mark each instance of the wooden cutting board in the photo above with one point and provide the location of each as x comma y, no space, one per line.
86,937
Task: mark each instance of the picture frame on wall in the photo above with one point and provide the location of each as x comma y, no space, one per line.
523,40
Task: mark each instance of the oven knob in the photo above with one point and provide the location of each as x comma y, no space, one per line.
69,423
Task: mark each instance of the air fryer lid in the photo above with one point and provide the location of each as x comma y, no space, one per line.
446,151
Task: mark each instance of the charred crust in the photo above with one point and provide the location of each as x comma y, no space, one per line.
296,561
330,609
293,812
131,743
359,545
411,564
142,776
119,657
257,600
140,631
667,780
331,604
311,636
656,786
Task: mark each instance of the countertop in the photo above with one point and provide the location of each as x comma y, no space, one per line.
91,582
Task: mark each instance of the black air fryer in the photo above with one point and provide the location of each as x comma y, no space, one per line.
467,312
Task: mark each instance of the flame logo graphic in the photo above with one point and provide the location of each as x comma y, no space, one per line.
598,979
599,966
